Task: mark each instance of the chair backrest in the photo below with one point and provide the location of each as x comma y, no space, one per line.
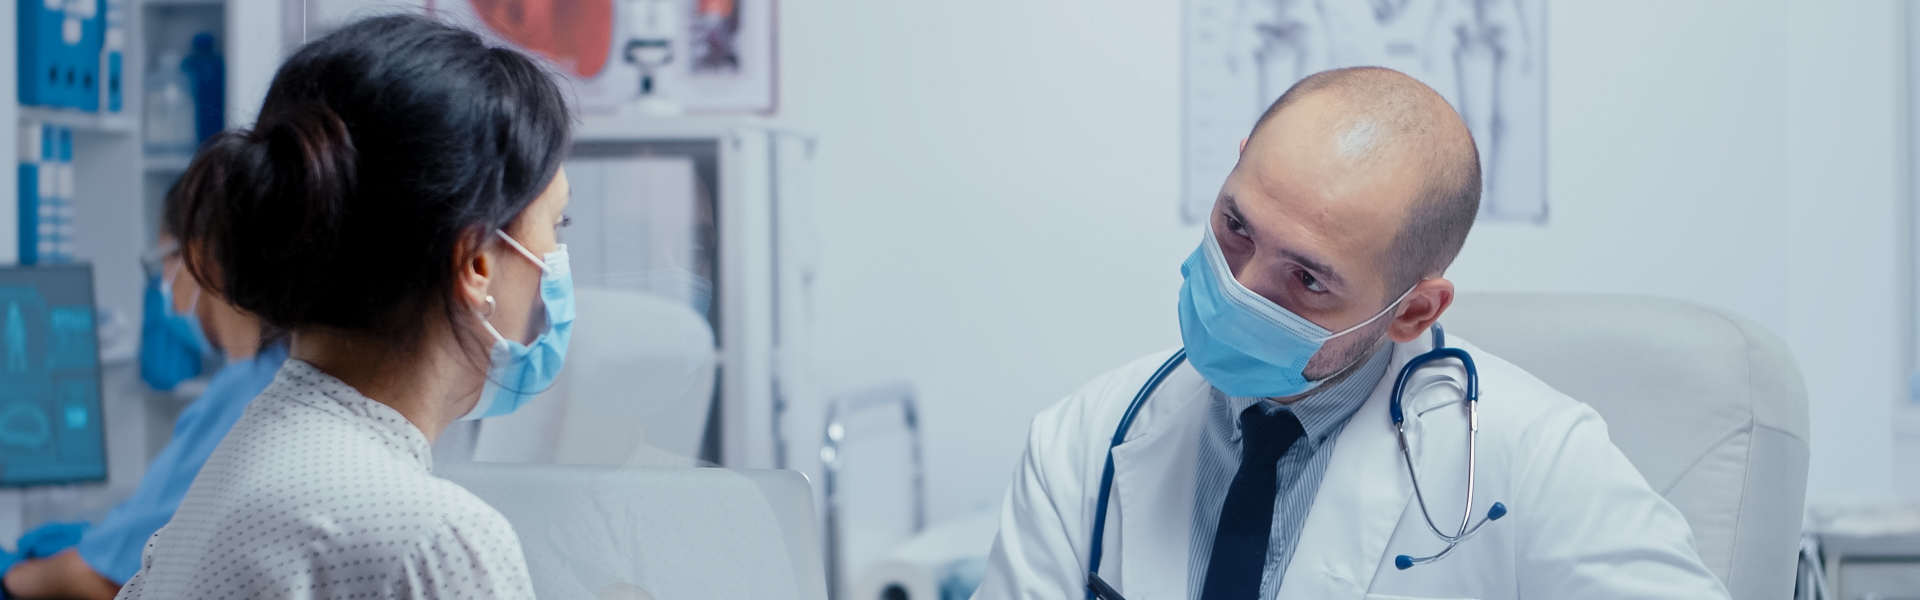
1709,406
637,389
600,532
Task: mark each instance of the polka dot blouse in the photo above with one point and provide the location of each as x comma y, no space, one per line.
320,492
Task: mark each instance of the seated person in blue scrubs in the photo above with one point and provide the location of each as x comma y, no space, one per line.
182,323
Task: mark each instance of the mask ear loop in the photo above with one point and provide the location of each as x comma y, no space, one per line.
491,306
193,306
1376,316
537,261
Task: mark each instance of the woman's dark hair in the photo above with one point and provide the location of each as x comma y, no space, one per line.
379,149
173,212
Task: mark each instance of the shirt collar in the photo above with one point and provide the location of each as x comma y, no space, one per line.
406,440
1325,411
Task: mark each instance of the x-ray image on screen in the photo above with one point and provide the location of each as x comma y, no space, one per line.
50,430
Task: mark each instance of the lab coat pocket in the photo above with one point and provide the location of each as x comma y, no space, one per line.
1386,597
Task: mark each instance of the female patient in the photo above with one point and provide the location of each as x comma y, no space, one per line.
395,209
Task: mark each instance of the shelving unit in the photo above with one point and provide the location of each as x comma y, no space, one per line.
120,187
82,122
117,199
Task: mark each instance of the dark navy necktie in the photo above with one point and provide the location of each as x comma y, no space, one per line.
1246,518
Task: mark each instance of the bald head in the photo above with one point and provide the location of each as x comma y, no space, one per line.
1374,118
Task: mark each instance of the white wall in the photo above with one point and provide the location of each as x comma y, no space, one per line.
995,199
1743,157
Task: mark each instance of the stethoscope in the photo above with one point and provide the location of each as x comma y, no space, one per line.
1099,590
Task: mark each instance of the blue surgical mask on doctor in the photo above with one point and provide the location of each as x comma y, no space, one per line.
519,372
172,343
1241,342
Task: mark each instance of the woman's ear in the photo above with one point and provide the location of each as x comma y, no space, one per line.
472,272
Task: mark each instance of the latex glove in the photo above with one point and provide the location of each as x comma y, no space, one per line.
48,540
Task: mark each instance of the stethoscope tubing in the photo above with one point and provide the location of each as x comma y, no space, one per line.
1440,352
1106,475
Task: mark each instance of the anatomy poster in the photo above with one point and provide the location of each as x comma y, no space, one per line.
656,57
1487,57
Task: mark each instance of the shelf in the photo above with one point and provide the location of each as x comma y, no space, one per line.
184,2
110,123
166,163
623,128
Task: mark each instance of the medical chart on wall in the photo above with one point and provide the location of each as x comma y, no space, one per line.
653,57
1487,57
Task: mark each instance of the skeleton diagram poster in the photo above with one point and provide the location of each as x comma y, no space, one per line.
1487,57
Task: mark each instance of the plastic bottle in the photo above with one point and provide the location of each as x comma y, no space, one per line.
208,74
169,116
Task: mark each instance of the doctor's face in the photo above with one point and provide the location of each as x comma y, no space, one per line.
1307,218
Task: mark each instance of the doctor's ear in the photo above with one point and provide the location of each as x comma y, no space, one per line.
1421,310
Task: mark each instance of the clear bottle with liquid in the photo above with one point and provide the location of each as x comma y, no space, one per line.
168,120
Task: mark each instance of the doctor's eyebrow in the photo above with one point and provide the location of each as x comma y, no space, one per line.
1320,269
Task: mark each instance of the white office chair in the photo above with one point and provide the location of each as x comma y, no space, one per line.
1709,406
644,533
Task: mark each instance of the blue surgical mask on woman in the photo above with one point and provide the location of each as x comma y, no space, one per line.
171,343
1241,342
518,372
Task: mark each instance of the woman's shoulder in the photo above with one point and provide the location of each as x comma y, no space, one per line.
422,537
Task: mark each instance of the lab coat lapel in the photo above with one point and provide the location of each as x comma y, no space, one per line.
1153,482
1360,501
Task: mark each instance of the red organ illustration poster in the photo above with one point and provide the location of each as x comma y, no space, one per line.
653,57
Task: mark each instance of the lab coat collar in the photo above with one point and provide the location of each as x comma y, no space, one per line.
1360,501
1154,477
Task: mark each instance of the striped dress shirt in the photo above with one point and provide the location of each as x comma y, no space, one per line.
1321,415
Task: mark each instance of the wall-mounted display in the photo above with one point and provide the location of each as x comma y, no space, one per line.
1487,57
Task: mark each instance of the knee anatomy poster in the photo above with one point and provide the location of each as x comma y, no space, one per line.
1487,57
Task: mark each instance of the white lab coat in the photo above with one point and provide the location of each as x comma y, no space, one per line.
1582,523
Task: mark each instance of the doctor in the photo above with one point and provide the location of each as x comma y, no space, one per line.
1265,462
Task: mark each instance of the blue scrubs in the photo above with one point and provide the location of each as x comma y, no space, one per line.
113,546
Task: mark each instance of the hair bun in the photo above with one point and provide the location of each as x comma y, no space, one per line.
311,156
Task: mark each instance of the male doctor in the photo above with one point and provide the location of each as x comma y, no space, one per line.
1266,463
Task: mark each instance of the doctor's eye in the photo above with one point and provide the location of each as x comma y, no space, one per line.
564,221
1312,283
1234,225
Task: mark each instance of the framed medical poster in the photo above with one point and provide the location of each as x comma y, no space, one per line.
661,57
656,57
1487,57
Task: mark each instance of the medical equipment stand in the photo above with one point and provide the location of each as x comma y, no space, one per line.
838,413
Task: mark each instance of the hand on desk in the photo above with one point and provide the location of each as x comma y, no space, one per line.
45,565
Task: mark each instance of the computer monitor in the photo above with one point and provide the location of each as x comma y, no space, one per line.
50,429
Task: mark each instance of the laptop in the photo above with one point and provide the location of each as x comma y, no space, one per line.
657,533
